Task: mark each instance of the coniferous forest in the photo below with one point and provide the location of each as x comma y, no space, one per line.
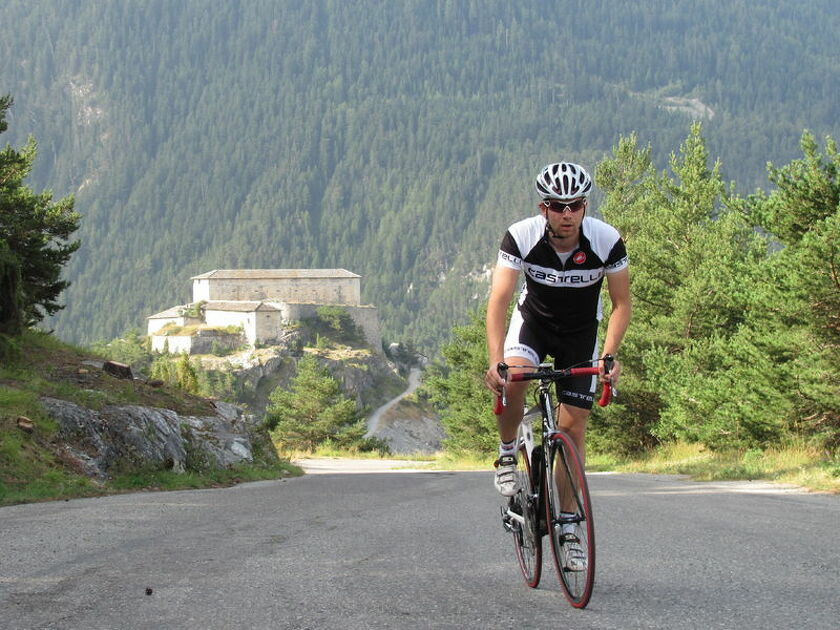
394,139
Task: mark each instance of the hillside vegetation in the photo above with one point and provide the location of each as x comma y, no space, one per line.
735,339
34,461
394,139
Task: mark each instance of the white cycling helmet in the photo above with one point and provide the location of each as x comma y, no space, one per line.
563,181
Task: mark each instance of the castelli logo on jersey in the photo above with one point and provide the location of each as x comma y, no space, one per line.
579,258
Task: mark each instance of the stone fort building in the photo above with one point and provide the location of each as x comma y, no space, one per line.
263,303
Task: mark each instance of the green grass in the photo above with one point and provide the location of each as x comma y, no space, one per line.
171,329
32,467
795,464
168,480
45,366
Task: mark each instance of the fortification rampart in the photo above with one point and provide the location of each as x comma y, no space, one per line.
263,303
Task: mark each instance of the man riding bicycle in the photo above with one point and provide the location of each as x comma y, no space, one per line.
565,256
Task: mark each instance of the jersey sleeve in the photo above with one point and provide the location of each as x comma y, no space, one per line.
617,258
509,255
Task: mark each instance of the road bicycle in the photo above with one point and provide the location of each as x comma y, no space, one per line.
553,496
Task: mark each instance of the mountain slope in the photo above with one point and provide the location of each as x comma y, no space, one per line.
396,140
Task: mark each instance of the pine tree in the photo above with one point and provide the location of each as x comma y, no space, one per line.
10,294
455,386
313,411
695,370
34,235
798,306
186,376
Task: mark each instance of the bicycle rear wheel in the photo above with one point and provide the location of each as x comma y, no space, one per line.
526,535
568,513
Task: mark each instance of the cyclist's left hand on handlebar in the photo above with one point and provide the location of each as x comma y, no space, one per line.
612,377
494,381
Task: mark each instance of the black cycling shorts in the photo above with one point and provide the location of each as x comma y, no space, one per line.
579,349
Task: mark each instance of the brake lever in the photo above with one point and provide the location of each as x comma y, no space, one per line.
501,400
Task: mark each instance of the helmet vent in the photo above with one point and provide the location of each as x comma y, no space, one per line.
563,181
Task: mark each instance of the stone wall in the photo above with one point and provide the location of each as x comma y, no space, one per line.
262,327
156,323
269,326
205,342
247,320
345,291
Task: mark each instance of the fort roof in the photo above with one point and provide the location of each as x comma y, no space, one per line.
175,311
248,274
242,306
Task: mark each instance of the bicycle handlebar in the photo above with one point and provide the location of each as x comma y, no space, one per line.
558,375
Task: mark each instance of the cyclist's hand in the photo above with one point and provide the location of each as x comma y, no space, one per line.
615,373
495,383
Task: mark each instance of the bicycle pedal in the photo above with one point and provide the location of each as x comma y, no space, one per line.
506,522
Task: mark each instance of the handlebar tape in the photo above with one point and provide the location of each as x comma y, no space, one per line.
606,395
606,391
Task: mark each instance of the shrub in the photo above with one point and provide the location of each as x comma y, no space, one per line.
312,411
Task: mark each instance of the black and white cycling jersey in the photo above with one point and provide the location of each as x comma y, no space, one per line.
563,296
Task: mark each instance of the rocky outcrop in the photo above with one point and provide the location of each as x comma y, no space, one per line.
130,436
363,375
409,427
411,435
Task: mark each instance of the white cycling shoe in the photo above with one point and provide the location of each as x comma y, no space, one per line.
506,479
574,558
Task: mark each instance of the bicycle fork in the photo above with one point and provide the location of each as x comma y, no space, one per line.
513,520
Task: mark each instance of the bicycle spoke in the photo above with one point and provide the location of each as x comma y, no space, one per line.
527,540
569,514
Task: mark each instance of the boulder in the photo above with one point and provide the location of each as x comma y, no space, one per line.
132,436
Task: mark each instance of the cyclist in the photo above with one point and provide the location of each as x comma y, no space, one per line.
564,255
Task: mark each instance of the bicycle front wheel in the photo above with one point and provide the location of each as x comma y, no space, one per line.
527,538
568,513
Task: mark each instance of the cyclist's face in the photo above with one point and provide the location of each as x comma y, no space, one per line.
564,217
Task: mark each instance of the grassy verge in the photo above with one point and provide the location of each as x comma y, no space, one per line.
56,484
795,464
168,480
32,465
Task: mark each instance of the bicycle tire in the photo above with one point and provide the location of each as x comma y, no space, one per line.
566,490
526,537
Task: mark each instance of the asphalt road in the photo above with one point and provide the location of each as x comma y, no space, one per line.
416,550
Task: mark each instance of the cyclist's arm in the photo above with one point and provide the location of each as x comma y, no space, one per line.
501,293
618,286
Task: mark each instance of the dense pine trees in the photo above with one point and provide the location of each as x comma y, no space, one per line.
734,340
394,139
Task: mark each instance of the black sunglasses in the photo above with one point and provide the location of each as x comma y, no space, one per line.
564,206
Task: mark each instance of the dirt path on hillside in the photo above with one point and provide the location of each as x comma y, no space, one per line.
376,416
